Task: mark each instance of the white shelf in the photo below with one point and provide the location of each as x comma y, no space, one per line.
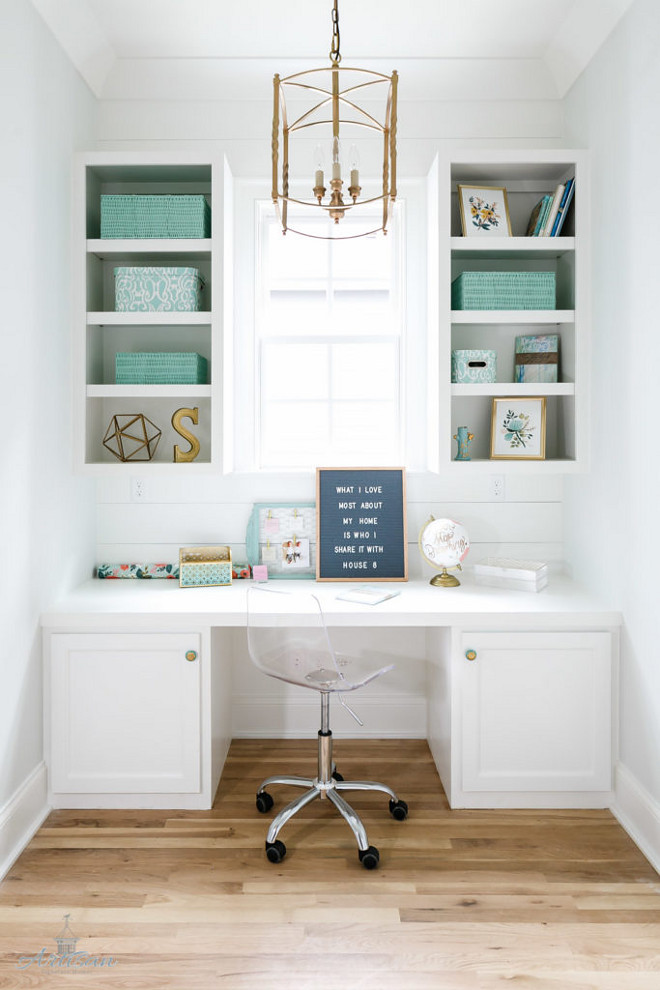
154,248
519,316
527,175
102,318
515,389
111,468
484,465
512,247
148,391
101,332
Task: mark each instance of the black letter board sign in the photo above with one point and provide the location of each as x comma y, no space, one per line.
361,524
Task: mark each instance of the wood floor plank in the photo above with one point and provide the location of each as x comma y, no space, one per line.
462,900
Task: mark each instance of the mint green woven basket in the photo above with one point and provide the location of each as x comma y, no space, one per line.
504,290
156,368
169,216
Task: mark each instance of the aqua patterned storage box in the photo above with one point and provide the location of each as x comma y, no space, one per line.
473,367
504,290
201,567
160,368
139,290
171,215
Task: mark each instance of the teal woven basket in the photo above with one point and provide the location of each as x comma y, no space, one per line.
504,290
145,368
167,216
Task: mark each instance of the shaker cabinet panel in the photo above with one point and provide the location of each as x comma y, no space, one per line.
535,711
125,713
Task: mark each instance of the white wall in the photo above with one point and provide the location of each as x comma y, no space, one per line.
46,514
613,538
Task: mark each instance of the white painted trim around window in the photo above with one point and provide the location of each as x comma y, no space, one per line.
412,203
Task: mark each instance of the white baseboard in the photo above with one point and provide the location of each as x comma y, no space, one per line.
266,718
638,812
21,816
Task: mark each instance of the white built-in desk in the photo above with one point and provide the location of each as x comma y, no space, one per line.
146,683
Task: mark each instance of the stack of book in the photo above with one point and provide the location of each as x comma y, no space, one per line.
549,214
516,575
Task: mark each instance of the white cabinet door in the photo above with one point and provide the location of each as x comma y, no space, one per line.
536,711
125,713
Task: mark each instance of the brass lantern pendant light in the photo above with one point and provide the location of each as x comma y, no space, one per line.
330,105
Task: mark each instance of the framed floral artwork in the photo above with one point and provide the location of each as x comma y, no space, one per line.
518,428
484,211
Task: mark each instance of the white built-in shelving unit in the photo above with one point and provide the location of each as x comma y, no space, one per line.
100,332
527,176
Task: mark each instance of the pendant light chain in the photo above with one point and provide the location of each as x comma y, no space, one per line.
334,51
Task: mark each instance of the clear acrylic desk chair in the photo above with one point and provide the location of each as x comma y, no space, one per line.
288,639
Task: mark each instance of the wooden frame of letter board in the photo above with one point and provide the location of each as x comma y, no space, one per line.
363,474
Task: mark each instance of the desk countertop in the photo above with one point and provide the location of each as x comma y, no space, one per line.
115,605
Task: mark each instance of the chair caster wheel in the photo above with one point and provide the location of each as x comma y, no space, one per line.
275,851
399,810
264,802
369,857
336,776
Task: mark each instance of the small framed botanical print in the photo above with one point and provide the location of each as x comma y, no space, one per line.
484,211
518,428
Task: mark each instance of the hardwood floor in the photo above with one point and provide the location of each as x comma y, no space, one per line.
462,900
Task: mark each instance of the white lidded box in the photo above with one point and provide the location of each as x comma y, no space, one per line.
516,575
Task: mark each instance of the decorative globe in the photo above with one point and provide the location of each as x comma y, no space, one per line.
444,544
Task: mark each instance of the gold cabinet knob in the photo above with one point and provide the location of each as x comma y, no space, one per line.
470,654
191,655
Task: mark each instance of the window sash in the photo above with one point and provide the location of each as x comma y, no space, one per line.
325,418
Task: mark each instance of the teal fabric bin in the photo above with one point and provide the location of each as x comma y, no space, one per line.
473,367
504,290
155,368
139,290
172,215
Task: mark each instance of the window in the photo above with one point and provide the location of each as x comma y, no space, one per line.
326,347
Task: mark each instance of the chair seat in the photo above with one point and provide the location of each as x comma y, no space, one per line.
288,639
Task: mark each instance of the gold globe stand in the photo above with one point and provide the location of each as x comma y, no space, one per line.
444,579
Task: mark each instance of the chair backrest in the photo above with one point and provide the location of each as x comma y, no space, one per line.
288,639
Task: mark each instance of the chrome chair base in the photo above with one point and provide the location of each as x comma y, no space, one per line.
327,785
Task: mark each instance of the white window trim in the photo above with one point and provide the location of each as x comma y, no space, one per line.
412,201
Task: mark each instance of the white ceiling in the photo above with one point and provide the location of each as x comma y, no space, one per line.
191,49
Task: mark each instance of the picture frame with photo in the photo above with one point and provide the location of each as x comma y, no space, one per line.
518,428
484,211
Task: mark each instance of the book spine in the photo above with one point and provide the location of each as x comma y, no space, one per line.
563,209
556,200
547,200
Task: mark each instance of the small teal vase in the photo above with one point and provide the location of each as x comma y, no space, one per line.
463,438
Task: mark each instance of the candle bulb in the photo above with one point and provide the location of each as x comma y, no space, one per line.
319,188
318,166
336,161
354,160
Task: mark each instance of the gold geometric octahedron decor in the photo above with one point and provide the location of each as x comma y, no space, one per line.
132,437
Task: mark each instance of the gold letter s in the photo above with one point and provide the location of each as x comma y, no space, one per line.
186,455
